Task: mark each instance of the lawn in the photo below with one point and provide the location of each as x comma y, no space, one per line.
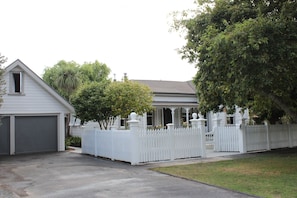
269,174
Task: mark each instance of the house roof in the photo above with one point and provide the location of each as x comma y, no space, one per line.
172,87
38,80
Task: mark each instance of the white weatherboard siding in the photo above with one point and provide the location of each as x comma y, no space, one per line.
34,100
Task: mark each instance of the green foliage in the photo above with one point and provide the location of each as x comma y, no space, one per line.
245,50
94,72
73,141
67,77
128,96
91,104
64,77
92,94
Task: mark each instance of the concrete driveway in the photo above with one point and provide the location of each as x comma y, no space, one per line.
68,174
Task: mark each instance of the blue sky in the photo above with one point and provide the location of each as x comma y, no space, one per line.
130,36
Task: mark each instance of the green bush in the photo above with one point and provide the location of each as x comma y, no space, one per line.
73,141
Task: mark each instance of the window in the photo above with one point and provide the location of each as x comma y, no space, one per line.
16,83
149,119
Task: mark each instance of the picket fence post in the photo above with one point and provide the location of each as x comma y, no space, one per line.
200,125
95,146
290,136
217,123
170,128
266,123
242,137
134,127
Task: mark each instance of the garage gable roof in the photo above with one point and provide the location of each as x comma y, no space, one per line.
38,80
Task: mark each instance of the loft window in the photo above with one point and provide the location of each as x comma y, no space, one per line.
17,82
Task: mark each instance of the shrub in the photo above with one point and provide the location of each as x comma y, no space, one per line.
73,141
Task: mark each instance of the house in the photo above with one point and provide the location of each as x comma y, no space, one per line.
173,102
33,114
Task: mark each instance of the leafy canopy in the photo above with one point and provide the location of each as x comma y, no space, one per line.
63,77
67,77
101,101
91,104
246,53
94,72
127,96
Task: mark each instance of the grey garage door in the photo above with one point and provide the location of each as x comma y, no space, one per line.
4,136
35,134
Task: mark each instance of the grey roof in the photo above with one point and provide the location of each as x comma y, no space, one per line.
174,87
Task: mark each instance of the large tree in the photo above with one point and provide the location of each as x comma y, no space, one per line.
94,72
67,77
64,77
127,96
100,101
91,103
246,54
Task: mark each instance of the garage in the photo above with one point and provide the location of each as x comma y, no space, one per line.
36,134
33,114
5,136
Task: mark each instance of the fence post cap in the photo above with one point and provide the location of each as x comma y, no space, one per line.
194,115
133,116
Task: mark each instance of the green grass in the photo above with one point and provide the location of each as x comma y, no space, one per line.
270,174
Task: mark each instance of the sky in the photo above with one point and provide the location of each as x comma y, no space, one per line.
129,36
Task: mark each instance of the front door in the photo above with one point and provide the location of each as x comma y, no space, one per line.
167,116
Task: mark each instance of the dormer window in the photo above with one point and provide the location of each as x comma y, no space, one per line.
16,83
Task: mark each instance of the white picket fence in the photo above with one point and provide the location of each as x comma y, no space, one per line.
142,146
256,137
268,137
247,138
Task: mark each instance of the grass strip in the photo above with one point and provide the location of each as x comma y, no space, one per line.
270,174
